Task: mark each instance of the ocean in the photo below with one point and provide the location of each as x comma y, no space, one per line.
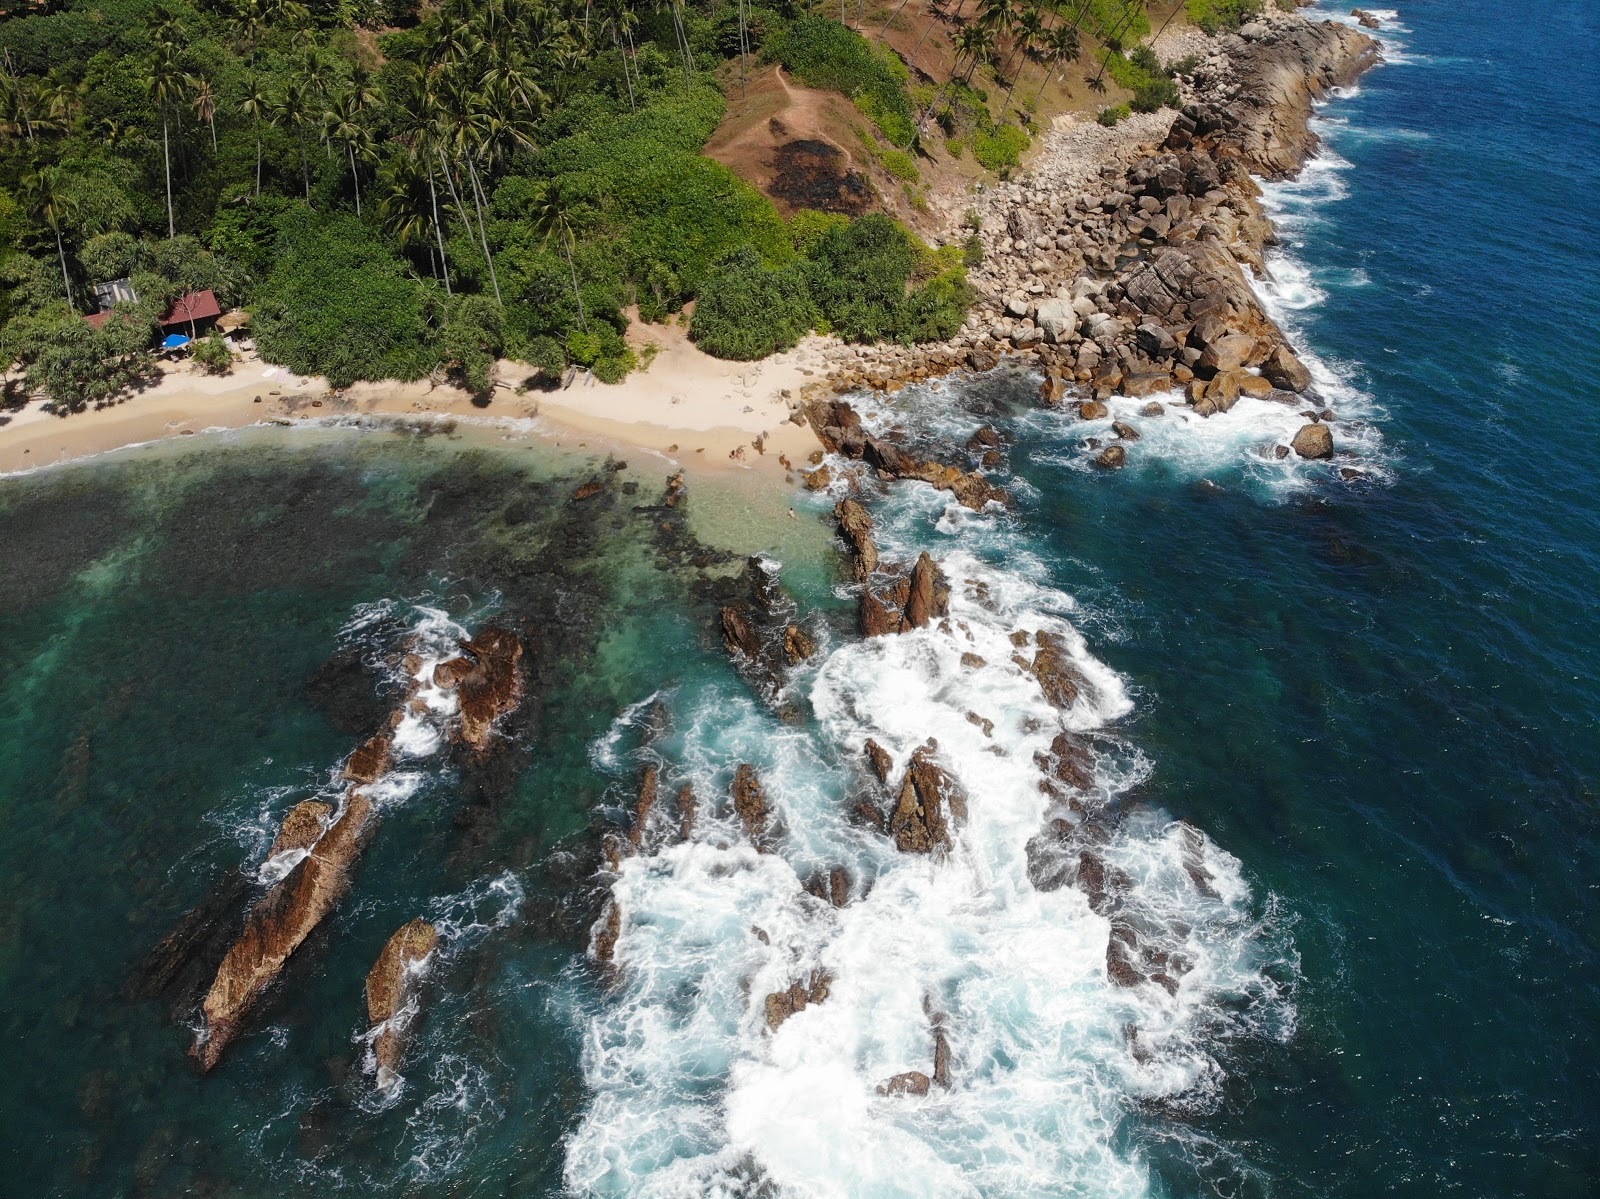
1342,718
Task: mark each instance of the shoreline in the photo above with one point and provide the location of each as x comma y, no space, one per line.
700,414
1073,303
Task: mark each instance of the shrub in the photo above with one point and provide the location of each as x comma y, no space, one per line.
1157,94
1111,114
748,310
809,226
213,355
1214,16
823,54
999,148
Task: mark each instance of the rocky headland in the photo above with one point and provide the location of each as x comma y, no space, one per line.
1118,266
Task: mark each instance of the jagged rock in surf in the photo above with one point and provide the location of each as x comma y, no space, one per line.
912,1082
780,1005
941,1051
1313,441
1120,967
644,805
1071,761
838,426
838,886
1092,410
919,823
487,680
1284,371
1059,679
372,760
1366,19
590,489
688,808
1112,457
1194,863
750,805
606,932
818,479
389,984
675,490
904,602
855,526
301,827
798,645
278,925
738,634
878,758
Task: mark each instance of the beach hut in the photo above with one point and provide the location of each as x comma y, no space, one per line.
196,310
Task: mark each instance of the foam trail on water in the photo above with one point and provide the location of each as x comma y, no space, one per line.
694,1094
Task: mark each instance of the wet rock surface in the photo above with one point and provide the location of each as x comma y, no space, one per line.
390,982
487,680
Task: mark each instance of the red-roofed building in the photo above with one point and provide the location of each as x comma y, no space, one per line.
189,310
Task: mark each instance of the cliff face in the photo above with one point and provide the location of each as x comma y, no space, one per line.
1261,85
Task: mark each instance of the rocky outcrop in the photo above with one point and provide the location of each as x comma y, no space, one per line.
278,925
928,800
1257,90
780,1005
902,602
1059,679
390,982
912,1082
855,526
758,627
301,828
750,805
487,679
838,426
879,760
644,806
371,761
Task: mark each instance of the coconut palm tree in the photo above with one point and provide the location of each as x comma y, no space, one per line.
46,195
204,102
1062,46
556,214
163,86
293,108
257,104
342,124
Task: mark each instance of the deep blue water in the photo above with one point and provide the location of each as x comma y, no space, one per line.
1377,696
1385,698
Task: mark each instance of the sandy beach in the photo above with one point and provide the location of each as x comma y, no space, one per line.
696,411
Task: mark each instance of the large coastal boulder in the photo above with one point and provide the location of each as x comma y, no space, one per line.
1313,441
855,526
905,602
390,983
1283,370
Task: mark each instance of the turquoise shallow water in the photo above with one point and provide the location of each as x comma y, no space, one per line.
1378,697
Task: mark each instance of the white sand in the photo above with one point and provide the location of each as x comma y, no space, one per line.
697,411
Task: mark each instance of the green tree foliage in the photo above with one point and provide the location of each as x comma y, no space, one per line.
213,355
822,53
748,309
1142,74
338,303
866,280
505,178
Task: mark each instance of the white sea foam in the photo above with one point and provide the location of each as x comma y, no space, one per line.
692,1095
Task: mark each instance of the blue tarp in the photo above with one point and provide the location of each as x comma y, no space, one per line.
173,340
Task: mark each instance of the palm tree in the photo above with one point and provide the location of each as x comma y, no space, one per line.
16,91
556,214
1029,30
341,123
1062,45
293,107
257,104
47,198
204,103
163,85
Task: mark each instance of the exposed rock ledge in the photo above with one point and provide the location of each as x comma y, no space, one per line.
389,984
1117,264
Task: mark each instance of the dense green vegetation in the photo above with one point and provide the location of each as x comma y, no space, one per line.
396,189
1142,73
1216,15
865,280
